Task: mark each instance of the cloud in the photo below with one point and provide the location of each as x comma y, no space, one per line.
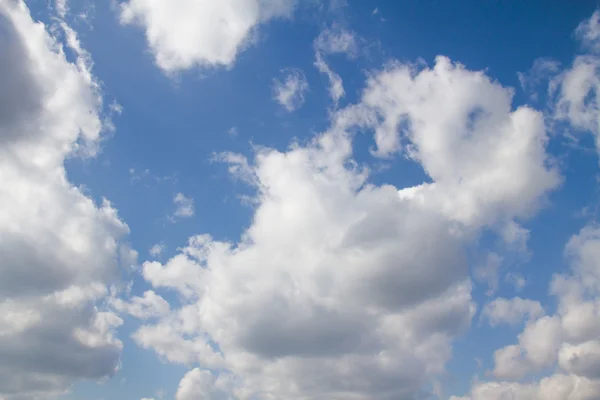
342,288
511,312
542,70
150,305
337,40
334,41
576,89
289,90
62,8
487,162
200,33
566,341
184,206
157,249
59,249
488,272
336,85
199,384
555,387
588,32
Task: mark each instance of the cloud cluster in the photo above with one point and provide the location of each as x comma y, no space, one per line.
59,249
200,33
566,342
342,289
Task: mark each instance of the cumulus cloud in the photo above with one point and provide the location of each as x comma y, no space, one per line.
341,288
200,33
59,249
487,162
289,90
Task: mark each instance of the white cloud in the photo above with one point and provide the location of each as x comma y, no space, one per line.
542,70
588,32
555,387
337,40
344,288
62,8
184,206
576,89
157,249
199,384
233,131
511,312
289,90
149,306
336,85
334,41
59,249
200,33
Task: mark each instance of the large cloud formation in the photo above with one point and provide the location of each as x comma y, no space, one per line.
207,33
59,250
342,289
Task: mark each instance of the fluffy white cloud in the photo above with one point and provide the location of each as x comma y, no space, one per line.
487,162
207,33
289,90
511,312
59,249
199,384
342,289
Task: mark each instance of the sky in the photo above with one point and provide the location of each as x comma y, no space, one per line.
299,199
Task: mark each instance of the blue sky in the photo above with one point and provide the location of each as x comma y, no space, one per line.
288,199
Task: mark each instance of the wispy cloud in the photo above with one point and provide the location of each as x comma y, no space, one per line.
289,90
